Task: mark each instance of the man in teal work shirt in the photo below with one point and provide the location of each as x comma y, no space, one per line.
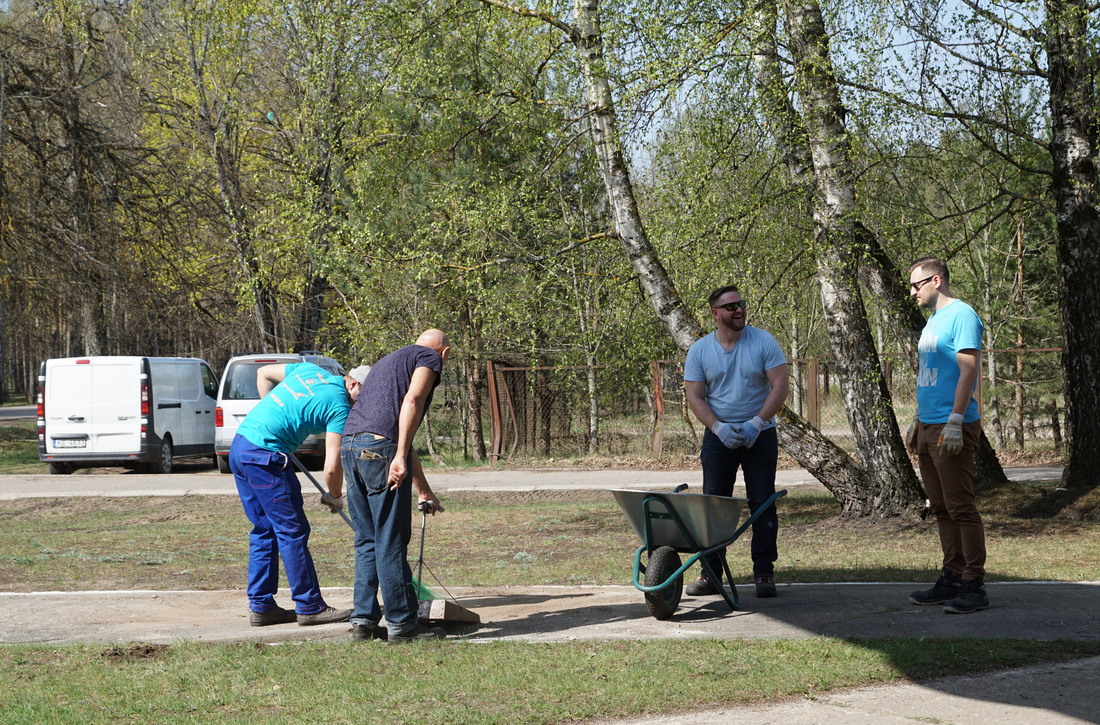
297,400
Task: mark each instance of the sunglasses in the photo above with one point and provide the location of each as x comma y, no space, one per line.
731,306
921,282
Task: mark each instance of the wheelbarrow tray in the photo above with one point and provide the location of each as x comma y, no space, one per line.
711,520
673,523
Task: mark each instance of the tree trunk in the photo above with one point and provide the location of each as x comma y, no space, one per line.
474,384
868,405
587,37
811,449
1074,148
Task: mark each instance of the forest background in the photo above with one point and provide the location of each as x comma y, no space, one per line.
556,185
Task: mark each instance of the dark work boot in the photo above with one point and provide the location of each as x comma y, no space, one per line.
971,598
946,587
368,631
765,586
702,587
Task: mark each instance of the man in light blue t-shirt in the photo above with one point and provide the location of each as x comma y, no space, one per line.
735,381
944,436
297,400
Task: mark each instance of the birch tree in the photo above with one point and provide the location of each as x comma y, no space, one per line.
858,492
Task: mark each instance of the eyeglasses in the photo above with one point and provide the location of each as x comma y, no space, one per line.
920,283
731,306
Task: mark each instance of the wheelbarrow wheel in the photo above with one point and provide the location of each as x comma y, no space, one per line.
662,564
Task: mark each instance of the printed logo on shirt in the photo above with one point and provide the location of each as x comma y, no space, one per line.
926,378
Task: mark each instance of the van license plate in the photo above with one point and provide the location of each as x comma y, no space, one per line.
69,442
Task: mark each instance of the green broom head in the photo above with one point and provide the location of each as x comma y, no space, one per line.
424,593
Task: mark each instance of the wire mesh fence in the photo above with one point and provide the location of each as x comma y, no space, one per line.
640,409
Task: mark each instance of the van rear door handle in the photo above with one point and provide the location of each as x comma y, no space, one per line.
76,418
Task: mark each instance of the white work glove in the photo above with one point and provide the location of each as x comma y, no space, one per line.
911,434
750,431
951,437
729,434
335,503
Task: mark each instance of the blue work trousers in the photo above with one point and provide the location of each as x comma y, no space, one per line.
757,465
383,527
272,498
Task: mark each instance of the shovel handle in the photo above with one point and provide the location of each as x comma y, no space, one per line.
303,469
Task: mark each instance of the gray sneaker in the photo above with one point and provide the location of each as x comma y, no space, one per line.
946,588
421,632
971,598
278,615
328,615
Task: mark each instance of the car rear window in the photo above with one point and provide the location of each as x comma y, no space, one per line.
240,383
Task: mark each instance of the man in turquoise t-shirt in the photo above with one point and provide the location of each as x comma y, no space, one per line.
944,436
298,400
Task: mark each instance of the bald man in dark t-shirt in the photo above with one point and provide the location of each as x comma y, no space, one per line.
381,469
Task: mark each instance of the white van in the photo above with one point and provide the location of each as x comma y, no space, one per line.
134,411
238,395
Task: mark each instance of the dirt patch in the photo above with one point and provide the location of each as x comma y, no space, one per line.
140,651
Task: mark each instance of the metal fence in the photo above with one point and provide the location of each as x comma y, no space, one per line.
640,409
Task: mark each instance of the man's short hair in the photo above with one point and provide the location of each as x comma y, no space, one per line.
717,294
933,266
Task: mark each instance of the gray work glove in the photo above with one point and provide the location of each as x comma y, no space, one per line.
911,434
750,431
951,437
335,504
728,433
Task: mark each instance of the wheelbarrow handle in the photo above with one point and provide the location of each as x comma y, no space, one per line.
760,510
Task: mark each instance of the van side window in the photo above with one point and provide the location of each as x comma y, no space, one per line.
166,382
209,382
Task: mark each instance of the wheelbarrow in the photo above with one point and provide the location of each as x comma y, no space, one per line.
670,524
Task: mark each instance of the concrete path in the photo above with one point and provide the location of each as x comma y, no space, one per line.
195,480
1058,694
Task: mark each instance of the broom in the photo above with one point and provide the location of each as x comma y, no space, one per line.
423,593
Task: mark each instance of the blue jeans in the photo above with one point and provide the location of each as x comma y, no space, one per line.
383,527
272,498
758,467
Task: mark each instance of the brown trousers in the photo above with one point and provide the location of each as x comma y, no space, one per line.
949,484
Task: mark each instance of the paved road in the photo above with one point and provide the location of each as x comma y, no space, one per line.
17,412
195,479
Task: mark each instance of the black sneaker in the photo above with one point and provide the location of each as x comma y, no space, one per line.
971,598
701,587
328,615
278,615
946,588
368,631
421,632
765,586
